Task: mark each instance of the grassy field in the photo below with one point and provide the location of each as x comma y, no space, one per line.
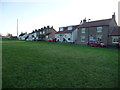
30,64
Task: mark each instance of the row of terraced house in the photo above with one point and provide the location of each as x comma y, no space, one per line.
44,33
105,30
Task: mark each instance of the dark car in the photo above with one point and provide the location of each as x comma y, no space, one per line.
52,39
96,43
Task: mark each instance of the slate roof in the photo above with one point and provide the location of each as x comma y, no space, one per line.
116,32
103,22
66,29
22,34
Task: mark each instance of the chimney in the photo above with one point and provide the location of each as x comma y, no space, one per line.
113,16
52,27
84,20
80,22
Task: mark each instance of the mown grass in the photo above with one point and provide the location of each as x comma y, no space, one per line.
50,65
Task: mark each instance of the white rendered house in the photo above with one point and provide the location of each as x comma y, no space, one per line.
67,34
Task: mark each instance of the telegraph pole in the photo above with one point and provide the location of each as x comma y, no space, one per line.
17,27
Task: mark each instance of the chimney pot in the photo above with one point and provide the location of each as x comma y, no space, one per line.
113,16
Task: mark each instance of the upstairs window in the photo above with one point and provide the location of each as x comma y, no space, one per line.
99,29
61,28
70,28
82,30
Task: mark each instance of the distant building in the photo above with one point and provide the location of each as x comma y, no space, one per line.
13,38
40,34
49,32
23,36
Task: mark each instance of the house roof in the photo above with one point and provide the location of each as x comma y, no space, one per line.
96,23
116,32
43,29
22,34
66,29
103,22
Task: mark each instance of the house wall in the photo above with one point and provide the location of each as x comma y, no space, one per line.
79,34
112,26
65,36
68,36
74,35
52,33
22,37
92,31
59,37
30,37
111,41
35,34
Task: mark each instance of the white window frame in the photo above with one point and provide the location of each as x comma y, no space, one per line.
47,36
99,36
99,29
61,28
91,37
43,32
83,30
70,28
40,32
117,39
82,37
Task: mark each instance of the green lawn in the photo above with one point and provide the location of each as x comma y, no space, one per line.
31,64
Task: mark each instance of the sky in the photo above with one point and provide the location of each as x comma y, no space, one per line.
35,14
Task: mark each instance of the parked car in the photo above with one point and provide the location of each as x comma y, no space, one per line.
96,43
50,40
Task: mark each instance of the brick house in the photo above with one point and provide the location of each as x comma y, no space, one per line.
99,30
49,32
67,34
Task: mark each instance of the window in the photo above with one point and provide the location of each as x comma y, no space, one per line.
99,29
43,32
46,36
82,30
40,32
70,28
82,38
65,36
115,39
99,37
61,37
91,37
61,28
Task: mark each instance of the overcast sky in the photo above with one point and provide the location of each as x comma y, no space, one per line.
34,14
